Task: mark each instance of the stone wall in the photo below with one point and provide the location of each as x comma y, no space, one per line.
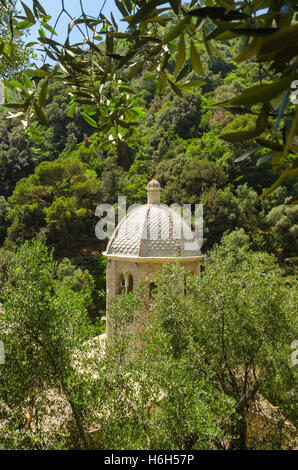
142,274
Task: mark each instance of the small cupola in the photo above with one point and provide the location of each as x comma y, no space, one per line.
153,192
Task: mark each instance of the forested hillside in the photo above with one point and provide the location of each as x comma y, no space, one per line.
54,183
52,272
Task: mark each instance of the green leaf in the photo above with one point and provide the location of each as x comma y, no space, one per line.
195,59
144,11
40,113
109,44
175,88
37,6
241,136
173,33
71,109
183,72
43,93
191,84
40,73
280,40
121,8
135,70
269,144
181,55
208,45
14,84
89,120
158,19
120,35
50,54
24,25
251,49
261,93
51,42
149,76
114,22
126,88
217,13
161,83
139,110
216,51
6,94
14,105
42,33
276,159
221,29
49,28
126,124
29,13
27,81
224,35
128,4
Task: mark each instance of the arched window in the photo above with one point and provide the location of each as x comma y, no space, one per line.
152,288
125,284
130,284
121,286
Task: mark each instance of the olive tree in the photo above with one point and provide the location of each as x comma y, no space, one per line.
241,314
43,324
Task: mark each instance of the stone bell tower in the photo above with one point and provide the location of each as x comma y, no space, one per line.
144,239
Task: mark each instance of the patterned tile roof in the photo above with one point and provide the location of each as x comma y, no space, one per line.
153,230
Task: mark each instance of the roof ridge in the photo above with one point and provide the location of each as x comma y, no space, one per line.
145,219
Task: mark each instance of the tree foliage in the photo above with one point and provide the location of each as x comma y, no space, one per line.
57,198
99,69
242,314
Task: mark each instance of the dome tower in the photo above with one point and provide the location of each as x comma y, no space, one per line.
144,239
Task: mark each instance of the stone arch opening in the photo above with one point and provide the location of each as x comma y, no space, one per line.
125,284
130,284
121,284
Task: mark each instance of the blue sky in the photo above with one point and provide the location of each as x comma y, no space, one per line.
91,7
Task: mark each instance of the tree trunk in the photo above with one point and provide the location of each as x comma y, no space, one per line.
240,443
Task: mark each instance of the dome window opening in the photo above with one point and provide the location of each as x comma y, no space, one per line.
122,287
130,284
126,284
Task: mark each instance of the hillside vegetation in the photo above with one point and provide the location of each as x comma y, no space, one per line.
214,354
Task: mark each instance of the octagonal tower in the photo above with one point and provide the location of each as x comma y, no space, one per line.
144,239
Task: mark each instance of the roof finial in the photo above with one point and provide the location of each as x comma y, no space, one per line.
153,192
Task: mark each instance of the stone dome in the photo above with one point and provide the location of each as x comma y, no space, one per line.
153,230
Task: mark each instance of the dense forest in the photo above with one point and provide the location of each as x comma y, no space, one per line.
183,389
